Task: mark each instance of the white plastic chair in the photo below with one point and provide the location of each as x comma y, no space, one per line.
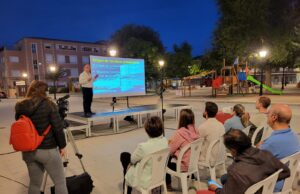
246,130
266,133
195,148
292,162
159,162
267,184
257,130
220,160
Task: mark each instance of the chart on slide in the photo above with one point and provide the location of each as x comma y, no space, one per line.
118,76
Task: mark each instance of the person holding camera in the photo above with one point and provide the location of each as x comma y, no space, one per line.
86,82
44,113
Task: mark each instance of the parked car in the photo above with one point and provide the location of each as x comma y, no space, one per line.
3,95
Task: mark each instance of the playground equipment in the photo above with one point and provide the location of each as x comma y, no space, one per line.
201,79
230,79
226,83
273,91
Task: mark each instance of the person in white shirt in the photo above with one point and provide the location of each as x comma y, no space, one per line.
210,130
260,118
86,82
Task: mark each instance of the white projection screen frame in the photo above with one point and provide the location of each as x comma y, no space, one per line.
118,76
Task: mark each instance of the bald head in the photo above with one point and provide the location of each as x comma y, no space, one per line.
283,113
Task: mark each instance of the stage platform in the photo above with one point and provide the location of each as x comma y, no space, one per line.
114,116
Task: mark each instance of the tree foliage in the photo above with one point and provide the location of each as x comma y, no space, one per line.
179,61
247,26
136,41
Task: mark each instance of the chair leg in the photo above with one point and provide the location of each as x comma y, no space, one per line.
212,171
165,188
184,185
198,180
125,189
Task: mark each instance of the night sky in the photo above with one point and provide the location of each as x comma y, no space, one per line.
91,20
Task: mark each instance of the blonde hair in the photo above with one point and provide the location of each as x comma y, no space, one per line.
240,112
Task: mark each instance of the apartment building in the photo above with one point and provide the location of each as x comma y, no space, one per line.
31,58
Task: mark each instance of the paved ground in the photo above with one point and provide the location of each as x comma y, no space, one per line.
101,154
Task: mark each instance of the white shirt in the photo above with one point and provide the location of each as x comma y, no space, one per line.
83,80
210,130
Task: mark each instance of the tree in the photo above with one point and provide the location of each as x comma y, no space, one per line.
246,26
179,61
54,76
137,41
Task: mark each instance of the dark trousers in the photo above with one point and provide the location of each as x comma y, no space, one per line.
172,166
125,161
87,99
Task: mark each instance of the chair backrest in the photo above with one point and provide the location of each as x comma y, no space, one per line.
195,148
158,161
246,130
257,130
267,132
292,162
217,148
267,184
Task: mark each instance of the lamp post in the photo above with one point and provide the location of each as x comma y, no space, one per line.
283,79
161,65
112,52
53,70
262,54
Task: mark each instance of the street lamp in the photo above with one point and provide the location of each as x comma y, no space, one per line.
161,64
262,54
53,70
112,52
25,75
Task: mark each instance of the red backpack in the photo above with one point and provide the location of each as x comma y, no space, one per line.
24,136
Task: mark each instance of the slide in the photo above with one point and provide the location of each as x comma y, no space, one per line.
273,91
118,76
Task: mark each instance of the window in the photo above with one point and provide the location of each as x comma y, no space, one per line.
61,59
73,59
47,46
14,59
15,73
33,48
67,59
86,49
49,58
74,72
85,59
36,77
34,62
35,66
66,47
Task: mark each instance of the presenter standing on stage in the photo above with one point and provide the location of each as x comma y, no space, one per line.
86,82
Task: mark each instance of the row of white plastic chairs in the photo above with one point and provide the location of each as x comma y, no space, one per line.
159,161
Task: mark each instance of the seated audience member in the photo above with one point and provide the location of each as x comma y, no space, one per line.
260,118
185,134
283,141
240,118
211,129
250,165
156,142
224,115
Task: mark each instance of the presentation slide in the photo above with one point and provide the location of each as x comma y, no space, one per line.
118,76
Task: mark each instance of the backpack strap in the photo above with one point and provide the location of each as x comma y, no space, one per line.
37,107
46,131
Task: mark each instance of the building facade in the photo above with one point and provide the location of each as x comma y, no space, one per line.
31,58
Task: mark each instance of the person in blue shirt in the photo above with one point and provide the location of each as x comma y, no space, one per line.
283,141
239,120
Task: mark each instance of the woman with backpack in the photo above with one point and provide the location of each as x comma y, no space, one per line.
44,113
